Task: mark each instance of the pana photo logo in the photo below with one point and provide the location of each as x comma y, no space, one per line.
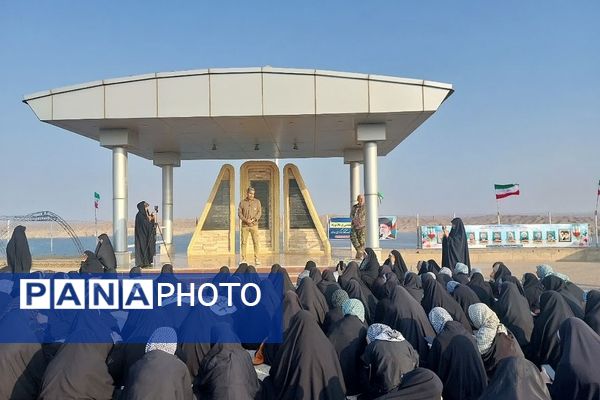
130,294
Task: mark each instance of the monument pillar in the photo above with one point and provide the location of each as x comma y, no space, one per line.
118,140
166,161
354,157
369,135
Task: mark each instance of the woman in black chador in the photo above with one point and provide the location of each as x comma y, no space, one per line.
306,365
18,255
105,253
455,247
145,236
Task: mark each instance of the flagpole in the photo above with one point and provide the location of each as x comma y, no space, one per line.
596,218
498,210
95,220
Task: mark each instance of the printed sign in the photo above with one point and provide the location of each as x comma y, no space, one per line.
340,228
520,235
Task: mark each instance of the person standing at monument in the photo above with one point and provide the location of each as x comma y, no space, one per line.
359,223
145,236
249,212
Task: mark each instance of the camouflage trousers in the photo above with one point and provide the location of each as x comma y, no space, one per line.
358,238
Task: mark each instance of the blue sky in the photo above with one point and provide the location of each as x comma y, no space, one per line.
526,106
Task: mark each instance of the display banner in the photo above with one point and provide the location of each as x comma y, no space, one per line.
111,308
340,227
519,235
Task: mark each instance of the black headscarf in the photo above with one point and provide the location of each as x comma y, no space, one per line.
280,274
18,255
503,346
386,280
454,357
592,310
513,311
289,307
533,290
369,267
552,282
482,289
328,285
191,349
22,364
544,347
405,314
455,247
312,299
106,254
315,275
516,282
465,297
433,266
577,377
158,375
79,371
399,267
91,265
348,337
412,284
443,279
306,366
516,378
145,237
357,290
424,268
418,384
226,372
350,272
387,362
434,295
500,273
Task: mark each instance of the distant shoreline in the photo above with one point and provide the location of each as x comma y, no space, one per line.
43,230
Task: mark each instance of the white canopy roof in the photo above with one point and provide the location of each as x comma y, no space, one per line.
243,113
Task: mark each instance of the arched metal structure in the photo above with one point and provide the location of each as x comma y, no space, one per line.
45,216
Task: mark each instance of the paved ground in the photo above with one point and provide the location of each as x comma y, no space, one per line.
584,274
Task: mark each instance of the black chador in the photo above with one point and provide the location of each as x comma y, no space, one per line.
145,236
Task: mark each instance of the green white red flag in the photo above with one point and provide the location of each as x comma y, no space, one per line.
505,190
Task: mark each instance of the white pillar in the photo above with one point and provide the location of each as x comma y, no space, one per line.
166,161
371,199
118,140
354,182
120,206
167,203
369,135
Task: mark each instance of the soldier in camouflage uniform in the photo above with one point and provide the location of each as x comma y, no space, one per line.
359,222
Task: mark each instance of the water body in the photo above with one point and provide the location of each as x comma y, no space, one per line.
64,247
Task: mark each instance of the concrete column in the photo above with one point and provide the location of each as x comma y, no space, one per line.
167,204
354,157
371,199
118,140
354,182
166,161
369,135
120,189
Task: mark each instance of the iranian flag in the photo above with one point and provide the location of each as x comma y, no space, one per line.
598,188
510,189
96,200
